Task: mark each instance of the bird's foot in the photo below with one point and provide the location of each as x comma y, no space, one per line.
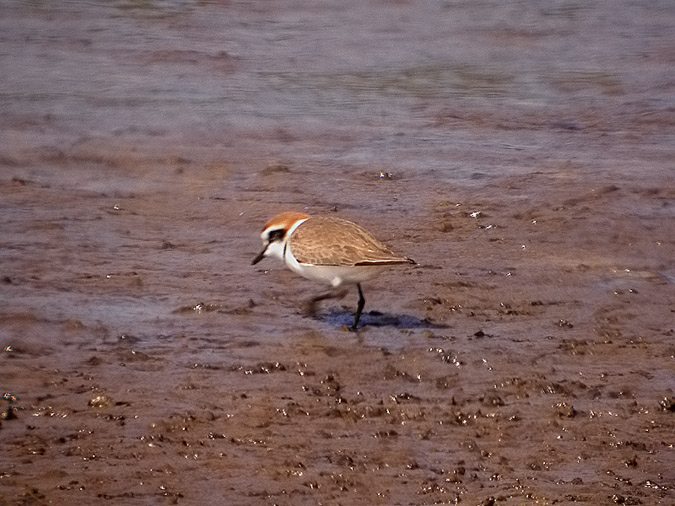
311,307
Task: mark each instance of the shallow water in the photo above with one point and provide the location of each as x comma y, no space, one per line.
529,357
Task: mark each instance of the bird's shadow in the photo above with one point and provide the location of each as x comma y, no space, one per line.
345,318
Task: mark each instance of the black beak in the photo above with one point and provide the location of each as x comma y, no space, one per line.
260,256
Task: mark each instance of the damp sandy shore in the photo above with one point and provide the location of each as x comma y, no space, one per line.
522,155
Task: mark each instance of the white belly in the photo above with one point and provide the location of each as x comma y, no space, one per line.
333,274
337,275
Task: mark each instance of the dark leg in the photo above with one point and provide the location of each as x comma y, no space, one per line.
359,307
311,304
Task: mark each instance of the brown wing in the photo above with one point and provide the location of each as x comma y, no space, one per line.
333,241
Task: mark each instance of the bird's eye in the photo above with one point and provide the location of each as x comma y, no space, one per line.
276,235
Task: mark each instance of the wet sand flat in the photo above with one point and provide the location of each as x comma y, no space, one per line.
522,154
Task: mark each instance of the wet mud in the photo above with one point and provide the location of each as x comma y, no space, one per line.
528,359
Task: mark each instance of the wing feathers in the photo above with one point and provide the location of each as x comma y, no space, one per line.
338,242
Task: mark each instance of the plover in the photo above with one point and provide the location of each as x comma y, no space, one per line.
328,249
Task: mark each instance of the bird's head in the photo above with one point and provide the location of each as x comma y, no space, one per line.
275,234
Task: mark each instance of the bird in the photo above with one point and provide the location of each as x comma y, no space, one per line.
327,249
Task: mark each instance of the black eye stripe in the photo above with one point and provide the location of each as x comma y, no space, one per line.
276,235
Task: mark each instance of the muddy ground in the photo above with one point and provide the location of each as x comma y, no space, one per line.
528,359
